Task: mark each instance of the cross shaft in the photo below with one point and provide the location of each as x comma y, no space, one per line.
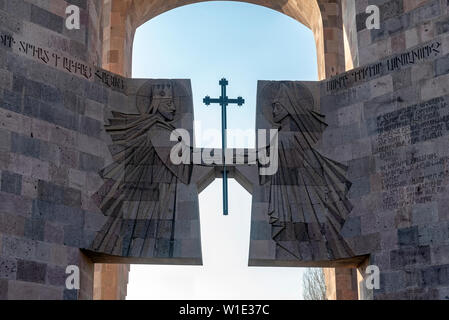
224,101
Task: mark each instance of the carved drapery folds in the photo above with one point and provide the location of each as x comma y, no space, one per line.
141,192
302,207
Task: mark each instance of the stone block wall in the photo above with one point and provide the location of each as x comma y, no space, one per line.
52,145
43,22
392,128
323,17
53,103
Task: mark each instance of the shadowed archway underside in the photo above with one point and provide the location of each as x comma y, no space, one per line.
123,17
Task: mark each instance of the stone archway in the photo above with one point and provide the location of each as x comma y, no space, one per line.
121,18
55,97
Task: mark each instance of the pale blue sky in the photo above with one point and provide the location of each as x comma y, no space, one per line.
205,42
242,42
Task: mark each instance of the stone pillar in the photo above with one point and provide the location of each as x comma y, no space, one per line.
364,292
86,278
341,284
110,282
351,45
334,50
121,18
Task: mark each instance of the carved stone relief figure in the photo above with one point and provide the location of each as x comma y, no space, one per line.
307,197
139,195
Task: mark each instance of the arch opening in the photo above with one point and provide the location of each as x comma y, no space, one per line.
121,18
225,240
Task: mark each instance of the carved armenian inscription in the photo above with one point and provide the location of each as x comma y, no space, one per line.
384,67
62,62
412,177
416,179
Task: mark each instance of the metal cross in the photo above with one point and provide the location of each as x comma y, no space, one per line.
224,101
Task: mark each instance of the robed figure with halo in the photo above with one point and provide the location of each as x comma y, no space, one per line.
308,202
139,194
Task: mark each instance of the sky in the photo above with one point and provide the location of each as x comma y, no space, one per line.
205,42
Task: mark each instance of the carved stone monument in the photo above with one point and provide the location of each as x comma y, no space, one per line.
361,157
147,209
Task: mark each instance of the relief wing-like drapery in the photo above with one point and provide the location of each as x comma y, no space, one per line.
139,193
308,194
